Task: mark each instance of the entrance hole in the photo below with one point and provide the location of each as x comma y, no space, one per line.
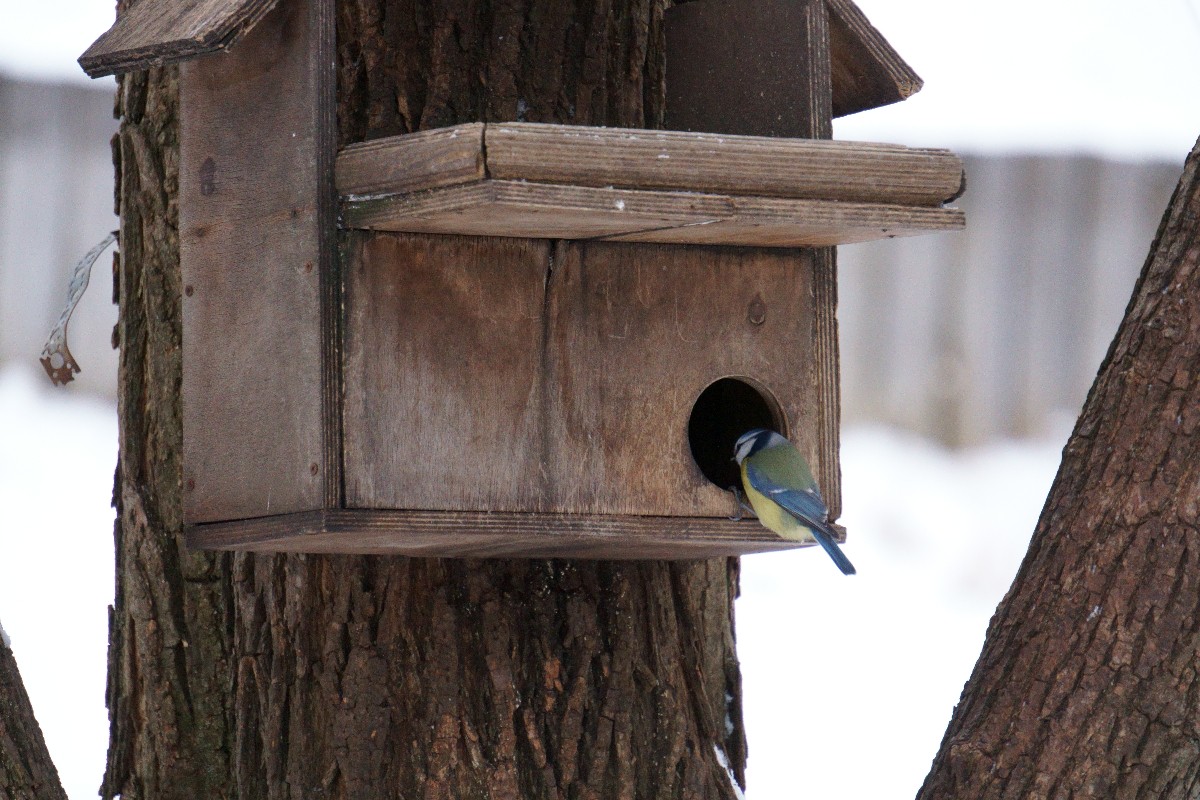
721,414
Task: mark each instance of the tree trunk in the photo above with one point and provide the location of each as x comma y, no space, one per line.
26,771
300,676
1087,684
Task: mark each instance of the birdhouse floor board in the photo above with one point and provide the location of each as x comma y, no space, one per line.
489,535
559,181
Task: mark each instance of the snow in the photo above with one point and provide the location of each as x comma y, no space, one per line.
4,640
835,669
723,760
58,451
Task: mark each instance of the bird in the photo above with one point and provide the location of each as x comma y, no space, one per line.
783,492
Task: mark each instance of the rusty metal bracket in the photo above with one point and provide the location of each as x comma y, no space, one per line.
56,356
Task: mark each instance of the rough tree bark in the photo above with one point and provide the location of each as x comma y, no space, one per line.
1087,685
308,677
26,771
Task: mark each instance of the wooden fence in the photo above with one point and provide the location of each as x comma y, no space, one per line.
996,331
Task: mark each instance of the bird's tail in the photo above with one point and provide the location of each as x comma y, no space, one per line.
824,537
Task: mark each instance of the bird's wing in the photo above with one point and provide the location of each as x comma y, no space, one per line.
807,506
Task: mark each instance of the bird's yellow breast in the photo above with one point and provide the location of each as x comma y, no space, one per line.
772,515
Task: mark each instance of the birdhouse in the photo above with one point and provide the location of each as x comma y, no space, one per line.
507,338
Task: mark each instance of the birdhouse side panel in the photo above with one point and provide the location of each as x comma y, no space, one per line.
252,233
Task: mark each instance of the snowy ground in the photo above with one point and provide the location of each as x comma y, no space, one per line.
58,451
848,682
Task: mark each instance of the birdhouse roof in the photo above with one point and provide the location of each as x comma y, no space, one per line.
156,32
867,72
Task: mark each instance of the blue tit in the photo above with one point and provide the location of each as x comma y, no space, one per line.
784,494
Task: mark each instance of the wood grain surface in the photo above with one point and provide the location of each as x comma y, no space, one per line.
571,182
747,67
491,535
512,375
755,166
253,234
867,71
156,32
532,210
626,158
424,160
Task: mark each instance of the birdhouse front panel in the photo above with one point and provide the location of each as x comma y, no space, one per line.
529,375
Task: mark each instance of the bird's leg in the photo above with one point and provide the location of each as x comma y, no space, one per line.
738,505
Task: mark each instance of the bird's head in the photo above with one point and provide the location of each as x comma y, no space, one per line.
751,442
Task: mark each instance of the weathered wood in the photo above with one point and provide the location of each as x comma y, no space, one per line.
817,90
443,372
753,166
745,67
572,182
636,333
826,360
509,208
867,71
481,534
156,32
573,155
497,374
255,247
425,160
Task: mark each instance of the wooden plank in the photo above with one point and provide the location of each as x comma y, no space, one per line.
322,81
507,208
742,67
637,333
826,360
156,32
490,535
443,374
495,374
696,162
807,223
867,71
254,253
424,160
818,89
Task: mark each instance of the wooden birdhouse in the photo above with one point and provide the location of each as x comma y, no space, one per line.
506,338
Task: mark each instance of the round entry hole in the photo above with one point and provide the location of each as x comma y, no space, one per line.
721,414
